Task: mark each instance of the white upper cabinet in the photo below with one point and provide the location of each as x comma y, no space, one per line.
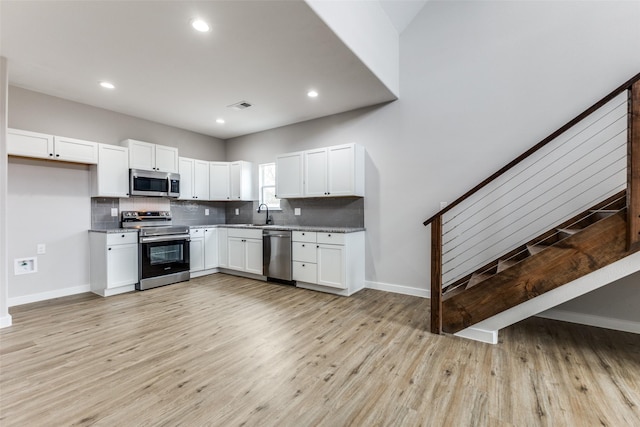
43,146
110,177
153,157
315,173
289,178
345,170
201,179
240,180
185,167
219,188
328,172
194,179
231,180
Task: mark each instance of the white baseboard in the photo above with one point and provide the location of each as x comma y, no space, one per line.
489,337
398,289
5,321
26,299
592,320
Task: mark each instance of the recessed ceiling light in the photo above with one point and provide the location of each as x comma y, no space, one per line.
200,25
312,94
107,85
220,121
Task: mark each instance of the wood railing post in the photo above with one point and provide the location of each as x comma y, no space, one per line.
436,275
633,170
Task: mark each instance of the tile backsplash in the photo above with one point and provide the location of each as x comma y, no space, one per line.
334,212
330,211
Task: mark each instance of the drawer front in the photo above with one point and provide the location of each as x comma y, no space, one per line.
304,236
245,233
303,251
331,238
196,233
305,271
121,238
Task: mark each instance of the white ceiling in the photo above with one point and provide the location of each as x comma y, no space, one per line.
268,53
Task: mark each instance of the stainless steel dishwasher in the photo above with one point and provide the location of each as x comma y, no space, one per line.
276,255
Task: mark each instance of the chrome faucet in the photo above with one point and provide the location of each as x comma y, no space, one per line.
267,209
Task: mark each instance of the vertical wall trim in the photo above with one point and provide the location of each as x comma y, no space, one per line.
5,318
633,169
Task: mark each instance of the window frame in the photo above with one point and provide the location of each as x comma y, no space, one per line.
262,185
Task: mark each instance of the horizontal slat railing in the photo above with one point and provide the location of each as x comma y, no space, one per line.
591,158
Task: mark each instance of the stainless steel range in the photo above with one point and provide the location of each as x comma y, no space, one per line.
163,248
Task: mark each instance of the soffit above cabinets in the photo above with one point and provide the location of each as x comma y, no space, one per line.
266,53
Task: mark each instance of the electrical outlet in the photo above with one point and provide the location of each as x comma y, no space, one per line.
237,211
25,265
114,211
41,249
296,211
206,212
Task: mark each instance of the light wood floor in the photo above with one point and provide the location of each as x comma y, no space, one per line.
227,351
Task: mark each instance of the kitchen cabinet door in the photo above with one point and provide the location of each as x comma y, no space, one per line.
185,168
200,180
289,175
29,144
341,170
315,173
166,158
331,268
75,150
196,250
122,265
241,180
142,155
236,253
219,181
110,177
210,248
253,256
223,249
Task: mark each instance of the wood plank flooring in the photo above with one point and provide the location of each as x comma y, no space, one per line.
228,351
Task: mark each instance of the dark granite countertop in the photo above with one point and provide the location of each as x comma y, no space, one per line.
321,229
114,230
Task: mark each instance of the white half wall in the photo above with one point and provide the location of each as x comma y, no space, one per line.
5,318
366,29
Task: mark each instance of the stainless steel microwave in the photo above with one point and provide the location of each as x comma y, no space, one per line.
153,183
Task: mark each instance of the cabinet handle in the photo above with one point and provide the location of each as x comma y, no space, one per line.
50,154
303,234
302,264
303,246
329,235
317,246
122,235
109,248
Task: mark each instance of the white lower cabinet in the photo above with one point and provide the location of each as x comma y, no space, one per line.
114,262
244,250
203,250
223,249
329,262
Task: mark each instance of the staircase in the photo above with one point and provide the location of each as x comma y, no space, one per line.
566,208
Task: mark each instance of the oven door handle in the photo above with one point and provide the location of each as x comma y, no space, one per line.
164,238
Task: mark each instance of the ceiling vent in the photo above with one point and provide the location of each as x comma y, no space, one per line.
239,105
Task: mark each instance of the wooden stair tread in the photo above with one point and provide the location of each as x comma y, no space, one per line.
503,264
476,278
603,213
536,249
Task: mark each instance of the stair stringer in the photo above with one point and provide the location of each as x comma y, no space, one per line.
487,330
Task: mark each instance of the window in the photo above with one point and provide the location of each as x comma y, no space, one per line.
267,185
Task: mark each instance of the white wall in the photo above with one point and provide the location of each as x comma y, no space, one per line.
366,29
38,112
481,82
49,202
5,317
